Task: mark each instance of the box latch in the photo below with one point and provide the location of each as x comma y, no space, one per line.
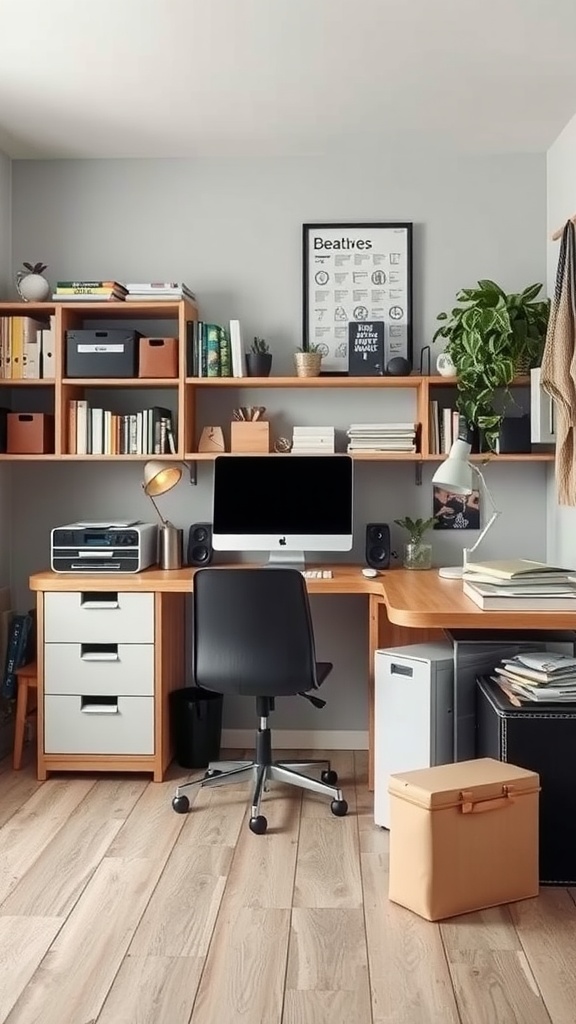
469,805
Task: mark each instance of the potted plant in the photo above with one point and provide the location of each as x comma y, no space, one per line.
258,359
308,361
492,337
32,286
417,553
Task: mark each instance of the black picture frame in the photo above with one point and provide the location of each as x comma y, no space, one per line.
325,318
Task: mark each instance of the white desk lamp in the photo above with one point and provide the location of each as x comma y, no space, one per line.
160,477
455,475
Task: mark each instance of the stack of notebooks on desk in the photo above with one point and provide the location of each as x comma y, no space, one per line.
537,677
520,585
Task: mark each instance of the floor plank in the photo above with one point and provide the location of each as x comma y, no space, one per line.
23,944
546,927
153,990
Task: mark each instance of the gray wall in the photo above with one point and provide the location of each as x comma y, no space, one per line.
233,232
6,291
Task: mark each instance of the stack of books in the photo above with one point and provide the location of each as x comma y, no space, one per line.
89,291
520,585
537,676
382,437
308,440
153,291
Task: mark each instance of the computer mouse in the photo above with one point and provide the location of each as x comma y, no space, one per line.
370,573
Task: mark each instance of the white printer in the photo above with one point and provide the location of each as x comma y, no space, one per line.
92,547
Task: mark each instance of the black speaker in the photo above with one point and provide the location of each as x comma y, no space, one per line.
200,550
378,545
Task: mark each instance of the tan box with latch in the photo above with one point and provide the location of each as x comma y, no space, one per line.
463,836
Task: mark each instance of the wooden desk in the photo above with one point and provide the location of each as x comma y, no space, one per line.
405,606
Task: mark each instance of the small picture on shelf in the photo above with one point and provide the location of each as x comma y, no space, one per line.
456,511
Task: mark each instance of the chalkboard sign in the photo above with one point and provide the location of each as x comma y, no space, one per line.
366,348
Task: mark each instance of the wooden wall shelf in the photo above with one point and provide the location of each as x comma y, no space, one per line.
184,390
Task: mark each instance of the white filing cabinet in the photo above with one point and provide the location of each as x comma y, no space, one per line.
413,714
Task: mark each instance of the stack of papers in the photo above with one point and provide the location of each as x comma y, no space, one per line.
382,437
306,440
520,585
538,676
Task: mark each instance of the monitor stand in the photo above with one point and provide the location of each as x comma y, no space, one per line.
286,560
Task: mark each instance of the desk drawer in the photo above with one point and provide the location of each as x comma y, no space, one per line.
86,725
105,669
93,617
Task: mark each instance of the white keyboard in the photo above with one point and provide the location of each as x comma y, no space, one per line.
317,574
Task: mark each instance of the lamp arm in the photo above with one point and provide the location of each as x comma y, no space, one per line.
495,513
160,516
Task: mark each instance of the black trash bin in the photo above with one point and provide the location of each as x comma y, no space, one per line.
196,720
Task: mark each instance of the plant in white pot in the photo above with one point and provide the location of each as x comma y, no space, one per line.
417,553
31,284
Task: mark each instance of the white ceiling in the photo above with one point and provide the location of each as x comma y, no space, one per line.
181,78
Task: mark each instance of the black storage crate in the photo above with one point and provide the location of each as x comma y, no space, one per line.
100,353
542,738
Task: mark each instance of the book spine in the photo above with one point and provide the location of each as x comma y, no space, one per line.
212,350
225,354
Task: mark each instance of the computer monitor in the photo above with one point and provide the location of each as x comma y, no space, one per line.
285,504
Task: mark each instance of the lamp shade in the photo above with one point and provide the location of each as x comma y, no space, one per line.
160,477
455,473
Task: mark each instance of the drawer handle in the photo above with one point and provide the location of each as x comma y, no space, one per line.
99,652
99,705
93,600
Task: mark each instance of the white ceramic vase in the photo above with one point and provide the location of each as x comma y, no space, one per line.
33,287
445,365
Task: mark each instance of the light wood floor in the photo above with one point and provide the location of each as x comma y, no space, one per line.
116,910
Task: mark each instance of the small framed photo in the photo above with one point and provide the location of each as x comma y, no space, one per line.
456,511
357,274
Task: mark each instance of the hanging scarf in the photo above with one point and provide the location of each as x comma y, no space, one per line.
558,377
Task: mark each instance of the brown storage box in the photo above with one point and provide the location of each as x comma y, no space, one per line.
463,836
250,437
30,433
158,357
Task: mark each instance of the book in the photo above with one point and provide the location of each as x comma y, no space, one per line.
366,348
508,569
479,579
515,603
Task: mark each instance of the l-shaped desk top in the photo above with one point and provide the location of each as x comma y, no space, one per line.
418,600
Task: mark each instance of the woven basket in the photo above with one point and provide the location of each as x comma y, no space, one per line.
308,364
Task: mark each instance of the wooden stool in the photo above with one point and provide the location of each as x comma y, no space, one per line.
27,680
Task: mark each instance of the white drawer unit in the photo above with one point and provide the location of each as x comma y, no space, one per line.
413,714
98,725
113,670
98,617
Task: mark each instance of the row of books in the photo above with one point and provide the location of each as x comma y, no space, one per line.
313,440
537,677
520,585
214,351
26,348
94,431
382,437
114,291
444,428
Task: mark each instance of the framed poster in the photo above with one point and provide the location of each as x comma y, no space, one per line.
356,273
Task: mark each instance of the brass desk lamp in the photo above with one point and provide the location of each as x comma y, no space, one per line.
160,477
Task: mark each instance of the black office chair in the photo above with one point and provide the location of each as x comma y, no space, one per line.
253,636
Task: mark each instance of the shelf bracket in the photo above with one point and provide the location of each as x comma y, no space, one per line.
192,468
418,474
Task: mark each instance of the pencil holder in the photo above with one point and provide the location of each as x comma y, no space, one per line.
250,437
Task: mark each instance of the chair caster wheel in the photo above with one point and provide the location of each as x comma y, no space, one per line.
210,773
329,777
181,804
339,808
258,825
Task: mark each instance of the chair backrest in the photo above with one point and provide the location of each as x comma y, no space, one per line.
252,632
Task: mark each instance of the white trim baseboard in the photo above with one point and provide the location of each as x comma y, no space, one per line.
300,739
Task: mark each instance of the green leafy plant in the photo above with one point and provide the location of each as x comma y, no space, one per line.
492,336
35,268
259,346
416,527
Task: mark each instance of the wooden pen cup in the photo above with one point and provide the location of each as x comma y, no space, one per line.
252,436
